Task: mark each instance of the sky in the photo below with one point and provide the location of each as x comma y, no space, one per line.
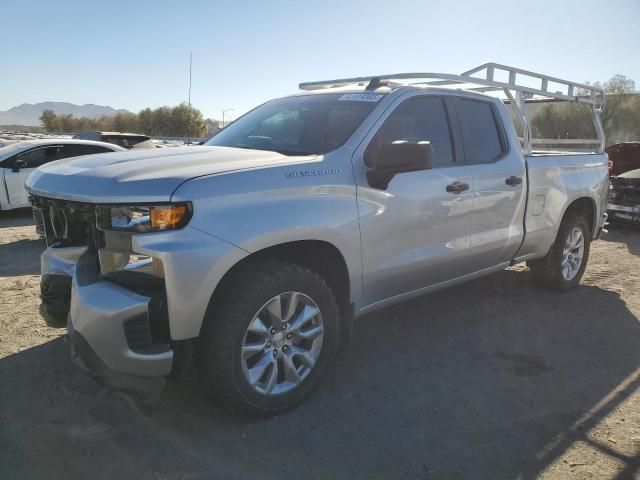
135,54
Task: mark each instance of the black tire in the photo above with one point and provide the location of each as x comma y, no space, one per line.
218,354
547,271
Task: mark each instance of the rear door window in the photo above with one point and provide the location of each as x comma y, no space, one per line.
419,119
481,135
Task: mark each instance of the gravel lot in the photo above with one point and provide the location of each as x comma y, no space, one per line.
489,380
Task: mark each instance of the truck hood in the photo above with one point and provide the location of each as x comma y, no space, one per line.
143,176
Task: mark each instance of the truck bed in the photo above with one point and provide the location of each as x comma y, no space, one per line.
554,181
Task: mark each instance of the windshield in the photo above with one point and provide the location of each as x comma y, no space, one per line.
303,125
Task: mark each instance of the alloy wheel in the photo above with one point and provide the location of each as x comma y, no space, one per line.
282,343
572,254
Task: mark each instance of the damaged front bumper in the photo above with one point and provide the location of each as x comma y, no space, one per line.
57,266
111,334
132,302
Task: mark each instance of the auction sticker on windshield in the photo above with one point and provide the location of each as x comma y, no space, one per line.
360,97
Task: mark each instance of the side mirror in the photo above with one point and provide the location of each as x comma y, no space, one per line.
18,164
398,157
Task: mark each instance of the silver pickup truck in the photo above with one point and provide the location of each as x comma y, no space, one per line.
251,255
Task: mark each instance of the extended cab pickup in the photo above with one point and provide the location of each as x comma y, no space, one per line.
252,254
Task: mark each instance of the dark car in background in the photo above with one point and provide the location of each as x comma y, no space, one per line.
624,191
623,157
125,140
624,197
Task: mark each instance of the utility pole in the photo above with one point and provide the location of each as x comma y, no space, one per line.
190,64
189,96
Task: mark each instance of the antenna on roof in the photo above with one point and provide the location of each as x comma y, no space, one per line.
374,84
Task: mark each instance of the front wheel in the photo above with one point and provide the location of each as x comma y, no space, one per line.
565,263
265,344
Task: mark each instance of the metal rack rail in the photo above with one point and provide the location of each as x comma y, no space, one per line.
520,86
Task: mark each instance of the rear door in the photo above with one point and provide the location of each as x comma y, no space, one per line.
415,233
499,184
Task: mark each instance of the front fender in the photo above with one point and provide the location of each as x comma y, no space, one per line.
258,209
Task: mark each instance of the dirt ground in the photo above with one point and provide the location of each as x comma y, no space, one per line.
489,380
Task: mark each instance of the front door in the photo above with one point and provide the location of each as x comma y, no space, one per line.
415,233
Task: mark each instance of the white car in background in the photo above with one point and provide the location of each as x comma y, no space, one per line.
19,159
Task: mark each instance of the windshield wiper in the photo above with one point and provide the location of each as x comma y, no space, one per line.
290,153
295,153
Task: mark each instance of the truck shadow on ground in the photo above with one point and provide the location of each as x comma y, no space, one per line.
485,380
625,234
21,257
20,217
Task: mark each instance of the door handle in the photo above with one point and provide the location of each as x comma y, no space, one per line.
513,181
457,187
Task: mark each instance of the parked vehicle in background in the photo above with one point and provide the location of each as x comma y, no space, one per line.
623,157
125,140
624,191
256,250
624,197
18,160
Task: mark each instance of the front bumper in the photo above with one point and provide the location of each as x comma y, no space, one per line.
127,332
109,329
116,322
144,389
56,267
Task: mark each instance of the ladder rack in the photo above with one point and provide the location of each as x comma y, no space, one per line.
519,86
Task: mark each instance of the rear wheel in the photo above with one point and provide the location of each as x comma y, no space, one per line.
565,263
265,344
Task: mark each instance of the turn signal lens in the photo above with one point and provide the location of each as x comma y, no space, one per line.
167,217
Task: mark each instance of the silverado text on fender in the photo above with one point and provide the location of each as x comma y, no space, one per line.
256,250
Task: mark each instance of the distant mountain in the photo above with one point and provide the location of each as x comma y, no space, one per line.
28,114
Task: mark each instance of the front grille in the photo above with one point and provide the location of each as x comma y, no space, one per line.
38,218
64,222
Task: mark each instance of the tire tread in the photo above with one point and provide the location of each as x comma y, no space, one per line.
228,319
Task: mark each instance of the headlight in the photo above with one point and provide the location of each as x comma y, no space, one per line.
143,218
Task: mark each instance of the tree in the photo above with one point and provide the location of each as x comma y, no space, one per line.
145,118
564,120
620,119
179,121
619,84
126,122
49,120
